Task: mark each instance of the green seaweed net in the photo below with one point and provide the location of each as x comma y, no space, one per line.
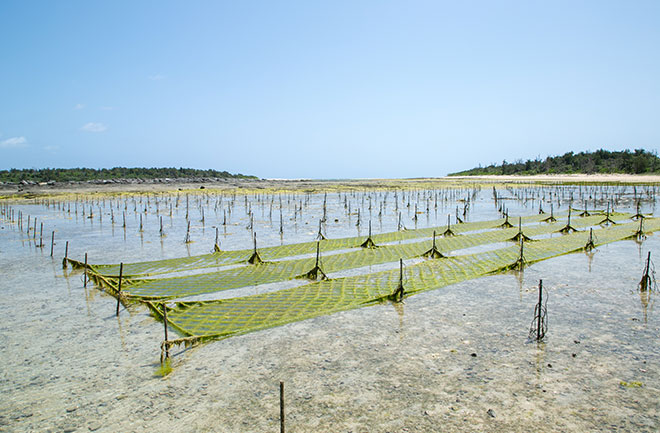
224,318
272,272
499,249
222,258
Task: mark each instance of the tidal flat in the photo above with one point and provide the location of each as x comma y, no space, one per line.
453,359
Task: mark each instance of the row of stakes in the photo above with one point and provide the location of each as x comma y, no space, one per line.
249,211
369,243
539,325
585,213
426,196
400,226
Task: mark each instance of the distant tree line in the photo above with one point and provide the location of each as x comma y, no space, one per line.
84,174
601,161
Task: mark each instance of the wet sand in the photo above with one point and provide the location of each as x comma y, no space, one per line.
449,360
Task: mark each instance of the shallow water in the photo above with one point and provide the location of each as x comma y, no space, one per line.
68,364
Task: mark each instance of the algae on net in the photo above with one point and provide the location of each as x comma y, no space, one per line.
177,287
221,319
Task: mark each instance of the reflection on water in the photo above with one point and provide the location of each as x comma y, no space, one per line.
645,297
590,257
398,307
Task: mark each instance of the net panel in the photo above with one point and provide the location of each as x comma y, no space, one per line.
178,287
221,258
224,318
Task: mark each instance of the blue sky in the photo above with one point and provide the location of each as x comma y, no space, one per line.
340,89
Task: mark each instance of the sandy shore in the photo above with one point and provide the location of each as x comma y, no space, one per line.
308,185
569,178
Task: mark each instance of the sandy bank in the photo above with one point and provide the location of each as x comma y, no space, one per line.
569,178
308,185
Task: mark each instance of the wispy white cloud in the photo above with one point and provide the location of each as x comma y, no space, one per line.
79,106
52,148
13,142
93,127
156,77
106,108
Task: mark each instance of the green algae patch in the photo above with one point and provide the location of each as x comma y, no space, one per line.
164,369
633,384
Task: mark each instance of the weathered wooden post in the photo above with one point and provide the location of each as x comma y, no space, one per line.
539,325
590,243
85,272
281,222
398,294
647,279
448,232
121,271
166,345
538,320
320,235
66,255
187,238
282,407
255,258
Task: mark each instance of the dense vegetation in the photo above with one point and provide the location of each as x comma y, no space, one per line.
83,174
601,161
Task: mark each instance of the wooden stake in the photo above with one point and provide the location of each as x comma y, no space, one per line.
397,296
538,321
281,407
66,255
52,242
121,271
167,349
187,240
646,282
85,272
